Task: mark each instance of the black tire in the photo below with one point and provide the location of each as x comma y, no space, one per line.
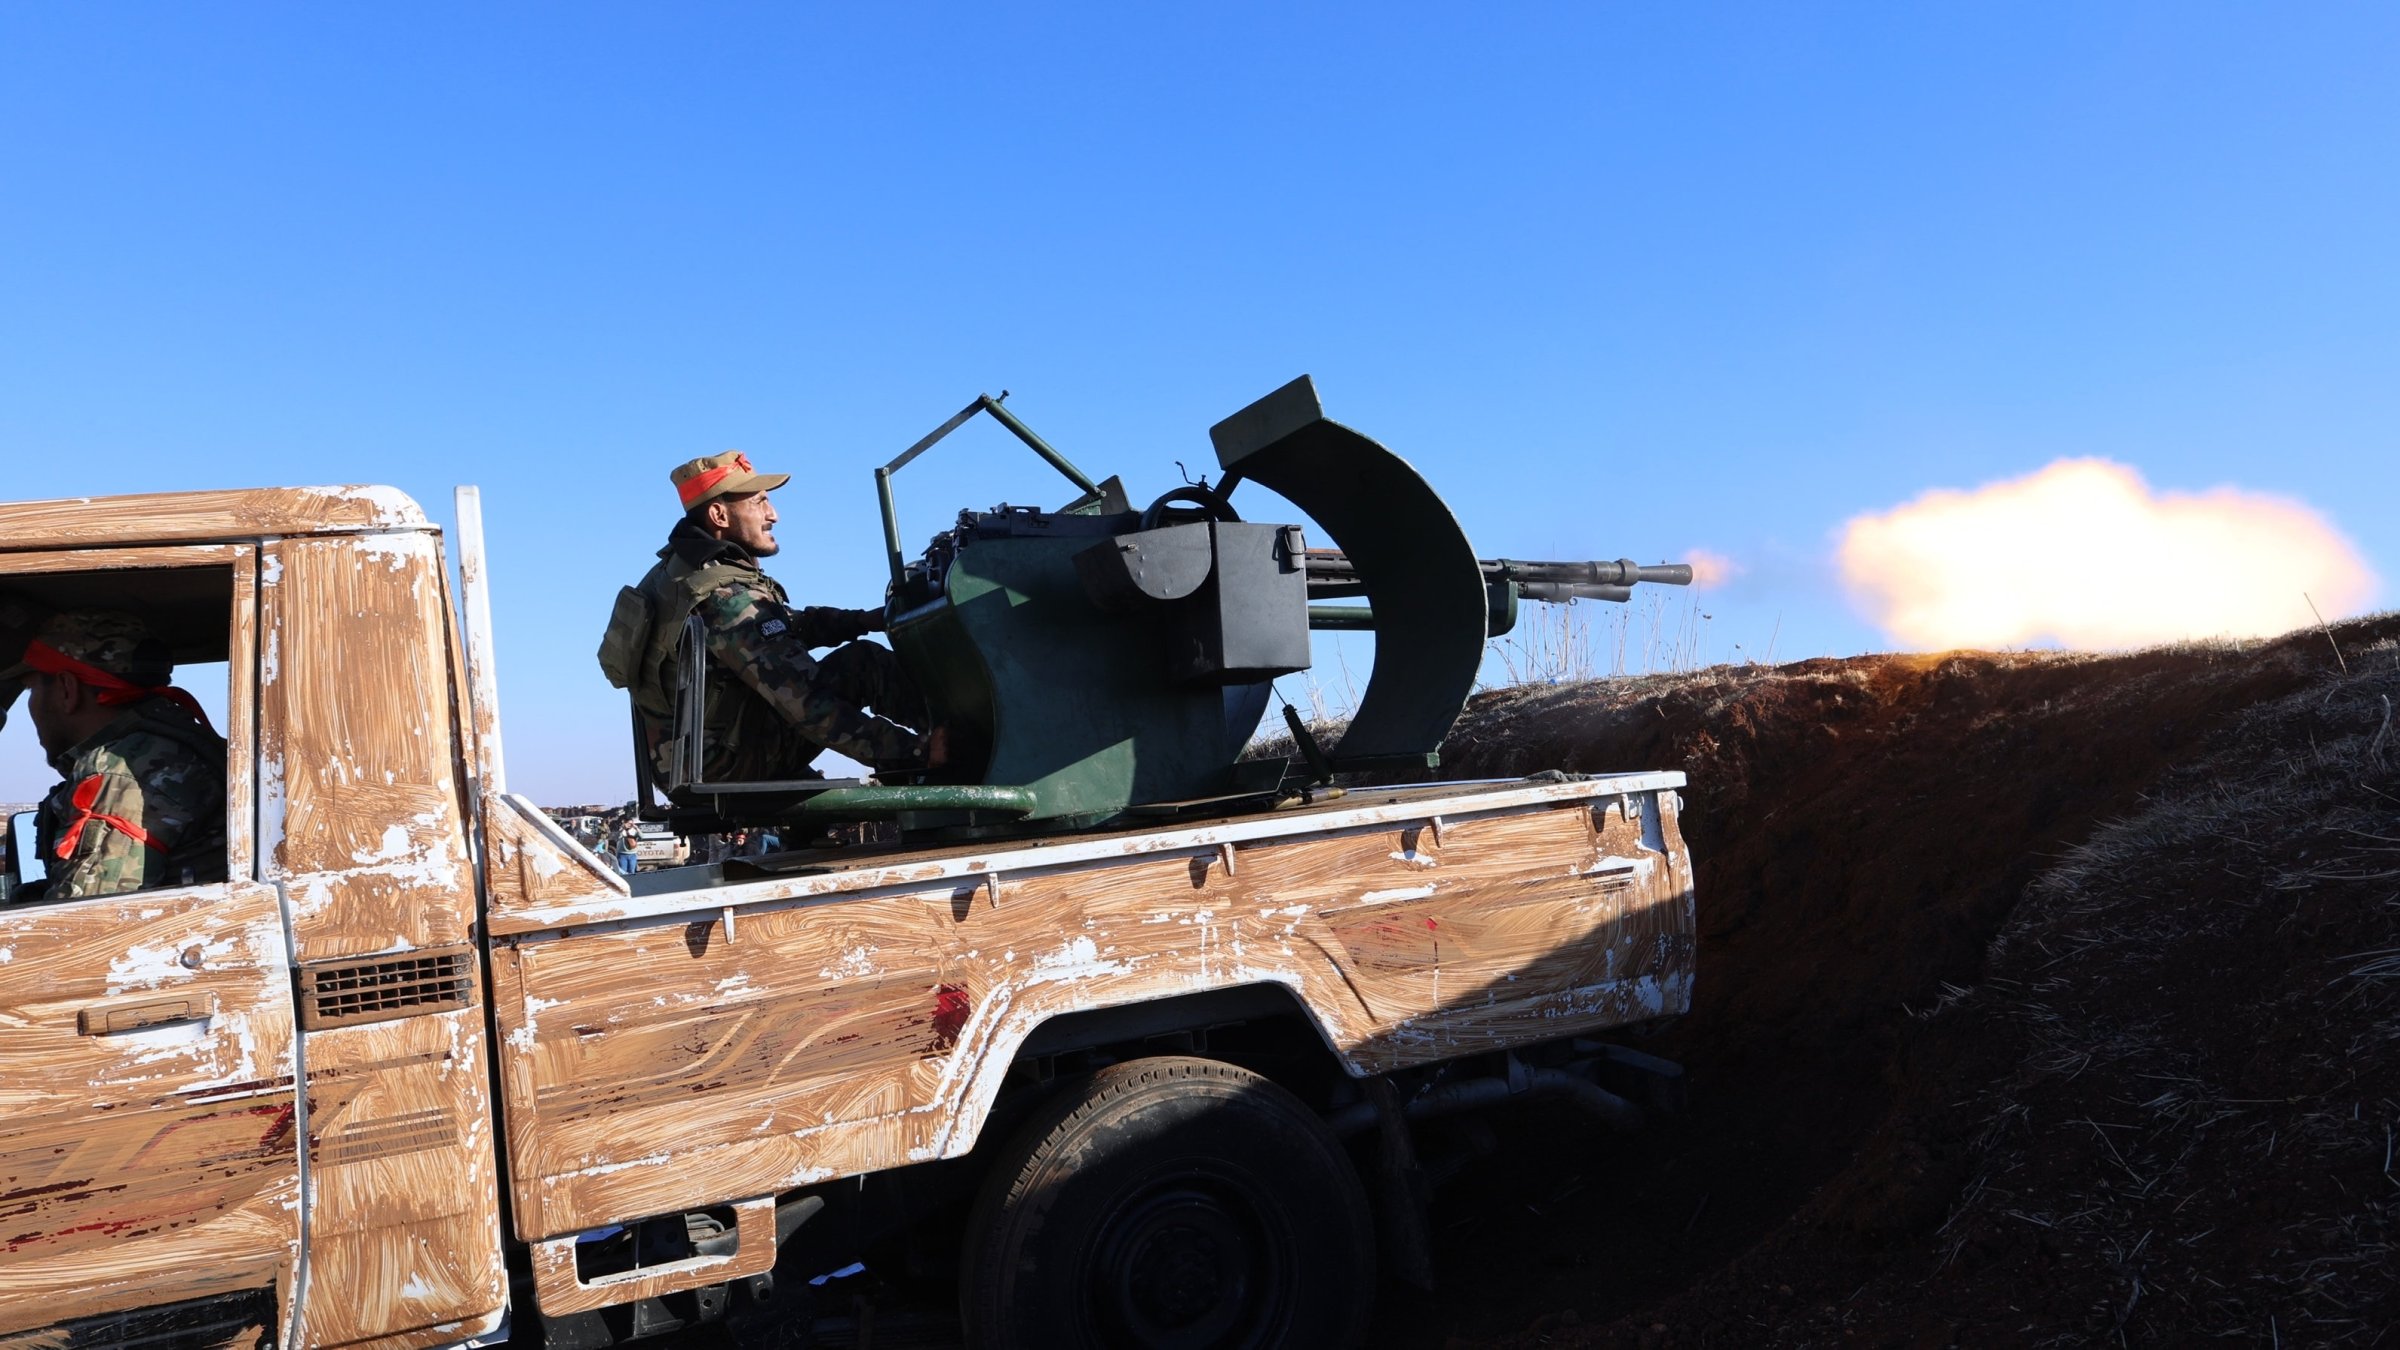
1170,1204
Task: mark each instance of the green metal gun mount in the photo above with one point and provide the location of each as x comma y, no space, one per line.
1097,663
1111,661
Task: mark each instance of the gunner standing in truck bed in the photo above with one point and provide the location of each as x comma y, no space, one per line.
783,705
141,800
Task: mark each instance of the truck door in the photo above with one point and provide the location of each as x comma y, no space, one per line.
363,822
150,1130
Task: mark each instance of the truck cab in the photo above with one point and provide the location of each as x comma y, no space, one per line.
222,1097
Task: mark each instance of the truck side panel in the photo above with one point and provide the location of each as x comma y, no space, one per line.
675,1061
365,822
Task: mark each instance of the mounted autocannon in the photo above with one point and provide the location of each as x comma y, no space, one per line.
1109,661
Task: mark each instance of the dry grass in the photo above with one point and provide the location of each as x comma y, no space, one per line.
2182,1127
1572,643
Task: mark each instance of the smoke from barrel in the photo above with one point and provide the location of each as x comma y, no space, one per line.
2086,554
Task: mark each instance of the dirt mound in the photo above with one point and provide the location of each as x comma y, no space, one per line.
2044,998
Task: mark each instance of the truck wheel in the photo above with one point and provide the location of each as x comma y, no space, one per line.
1170,1204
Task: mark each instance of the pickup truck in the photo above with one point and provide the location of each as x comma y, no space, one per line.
426,1072
657,846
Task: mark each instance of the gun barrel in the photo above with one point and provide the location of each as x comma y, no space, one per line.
1563,592
1622,572
1332,576
1329,566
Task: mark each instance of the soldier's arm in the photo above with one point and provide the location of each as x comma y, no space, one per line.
109,839
829,626
754,636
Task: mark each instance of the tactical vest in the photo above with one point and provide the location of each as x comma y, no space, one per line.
201,855
638,650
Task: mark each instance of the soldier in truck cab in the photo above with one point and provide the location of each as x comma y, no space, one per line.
783,705
141,797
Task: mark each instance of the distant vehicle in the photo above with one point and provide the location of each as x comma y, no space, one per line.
655,844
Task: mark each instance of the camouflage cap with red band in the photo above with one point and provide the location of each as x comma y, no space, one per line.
701,481
111,642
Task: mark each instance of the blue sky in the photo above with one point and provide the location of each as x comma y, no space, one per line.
1626,279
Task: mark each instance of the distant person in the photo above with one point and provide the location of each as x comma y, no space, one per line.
784,705
622,840
141,800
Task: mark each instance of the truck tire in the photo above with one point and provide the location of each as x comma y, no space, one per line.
1170,1204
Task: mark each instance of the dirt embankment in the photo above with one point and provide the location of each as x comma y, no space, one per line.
2044,999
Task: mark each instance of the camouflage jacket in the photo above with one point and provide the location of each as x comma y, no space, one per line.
772,717
142,805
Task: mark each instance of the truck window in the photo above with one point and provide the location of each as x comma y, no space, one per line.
156,773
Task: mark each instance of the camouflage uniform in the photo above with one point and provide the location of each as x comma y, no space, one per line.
783,705
142,800
770,706
142,804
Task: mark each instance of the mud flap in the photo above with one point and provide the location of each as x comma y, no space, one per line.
1420,573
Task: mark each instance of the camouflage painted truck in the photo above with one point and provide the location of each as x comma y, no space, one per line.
1140,1069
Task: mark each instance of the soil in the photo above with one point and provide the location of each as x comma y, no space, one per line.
2044,999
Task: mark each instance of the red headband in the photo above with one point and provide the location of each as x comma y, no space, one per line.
699,485
112,690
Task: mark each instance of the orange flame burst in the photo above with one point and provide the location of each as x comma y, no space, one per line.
1711,569
2084,553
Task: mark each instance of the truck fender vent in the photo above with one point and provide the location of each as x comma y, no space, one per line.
346,993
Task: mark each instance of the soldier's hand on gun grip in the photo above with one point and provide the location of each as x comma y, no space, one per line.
831,625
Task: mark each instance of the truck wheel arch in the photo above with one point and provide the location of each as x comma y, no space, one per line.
1089,1028
1129,1025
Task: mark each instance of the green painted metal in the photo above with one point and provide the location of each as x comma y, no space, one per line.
1420,574
1039,446
882,803
1500,607
891,525
1342,618
1093,660
984,403
1039,689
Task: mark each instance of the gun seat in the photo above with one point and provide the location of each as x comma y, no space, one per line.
692,803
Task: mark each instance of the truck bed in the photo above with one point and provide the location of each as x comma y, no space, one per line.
860,867
1302,815
853,1013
